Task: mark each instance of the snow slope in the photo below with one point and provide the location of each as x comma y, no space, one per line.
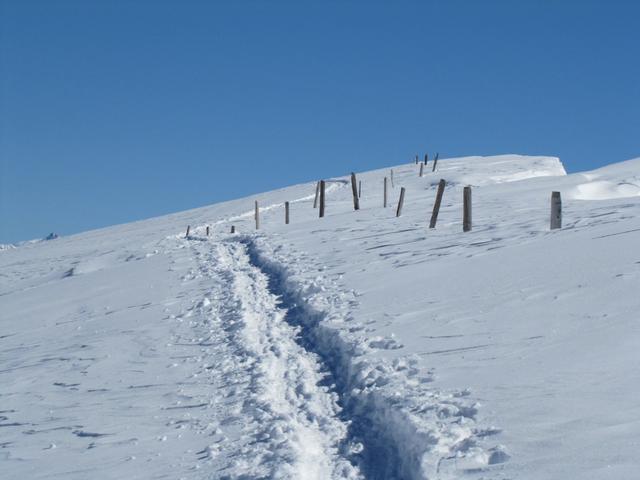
359,345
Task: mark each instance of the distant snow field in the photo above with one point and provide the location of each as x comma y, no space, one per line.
360,345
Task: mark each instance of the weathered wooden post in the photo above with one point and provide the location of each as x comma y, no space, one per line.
385,193
421,169
426,157
315,200
286,213
417,159
233,229
354,191
257,216
188,229
436,206
359,188
400,202
556,210
392,185
466,209
435,162
321,198
207,230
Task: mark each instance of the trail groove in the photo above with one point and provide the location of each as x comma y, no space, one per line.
294,418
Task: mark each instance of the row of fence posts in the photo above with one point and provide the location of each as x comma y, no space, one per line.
233,229
556,204
426,159
356,189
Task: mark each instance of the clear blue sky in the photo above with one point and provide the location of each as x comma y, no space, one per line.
113,111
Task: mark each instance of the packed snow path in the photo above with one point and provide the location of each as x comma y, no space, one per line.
312,408
290,422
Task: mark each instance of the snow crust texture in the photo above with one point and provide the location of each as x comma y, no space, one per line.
356,346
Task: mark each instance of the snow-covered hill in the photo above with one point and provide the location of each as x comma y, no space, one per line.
358,345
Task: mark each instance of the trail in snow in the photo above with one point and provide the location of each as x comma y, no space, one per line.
404,429
313,408
377,454
291,419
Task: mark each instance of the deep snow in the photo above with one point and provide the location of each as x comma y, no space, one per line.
359,345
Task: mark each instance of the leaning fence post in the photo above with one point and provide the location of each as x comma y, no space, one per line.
466,209
436,206
188,229
315,200
286,213
556,210
321,198
359,188
385,193
435,162
392,185
354,191
400,202
421,169
233,229
207,230
257,216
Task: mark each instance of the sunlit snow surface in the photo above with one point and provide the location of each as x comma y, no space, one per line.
359,345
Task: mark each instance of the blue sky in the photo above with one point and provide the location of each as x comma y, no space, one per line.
114,111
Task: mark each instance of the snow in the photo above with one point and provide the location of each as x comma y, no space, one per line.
359,345
617,181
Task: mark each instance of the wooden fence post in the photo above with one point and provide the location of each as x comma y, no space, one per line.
188,229
392,185
466,209
421,169
359,188
321,198
315,200
257,215
233,229
354,191
400,202
207,230
385,193
286,213
556,210
436,206
426,157
435,162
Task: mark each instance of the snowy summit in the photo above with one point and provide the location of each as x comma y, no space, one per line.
359,345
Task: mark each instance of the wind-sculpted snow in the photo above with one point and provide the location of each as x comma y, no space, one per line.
619,181
359,345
